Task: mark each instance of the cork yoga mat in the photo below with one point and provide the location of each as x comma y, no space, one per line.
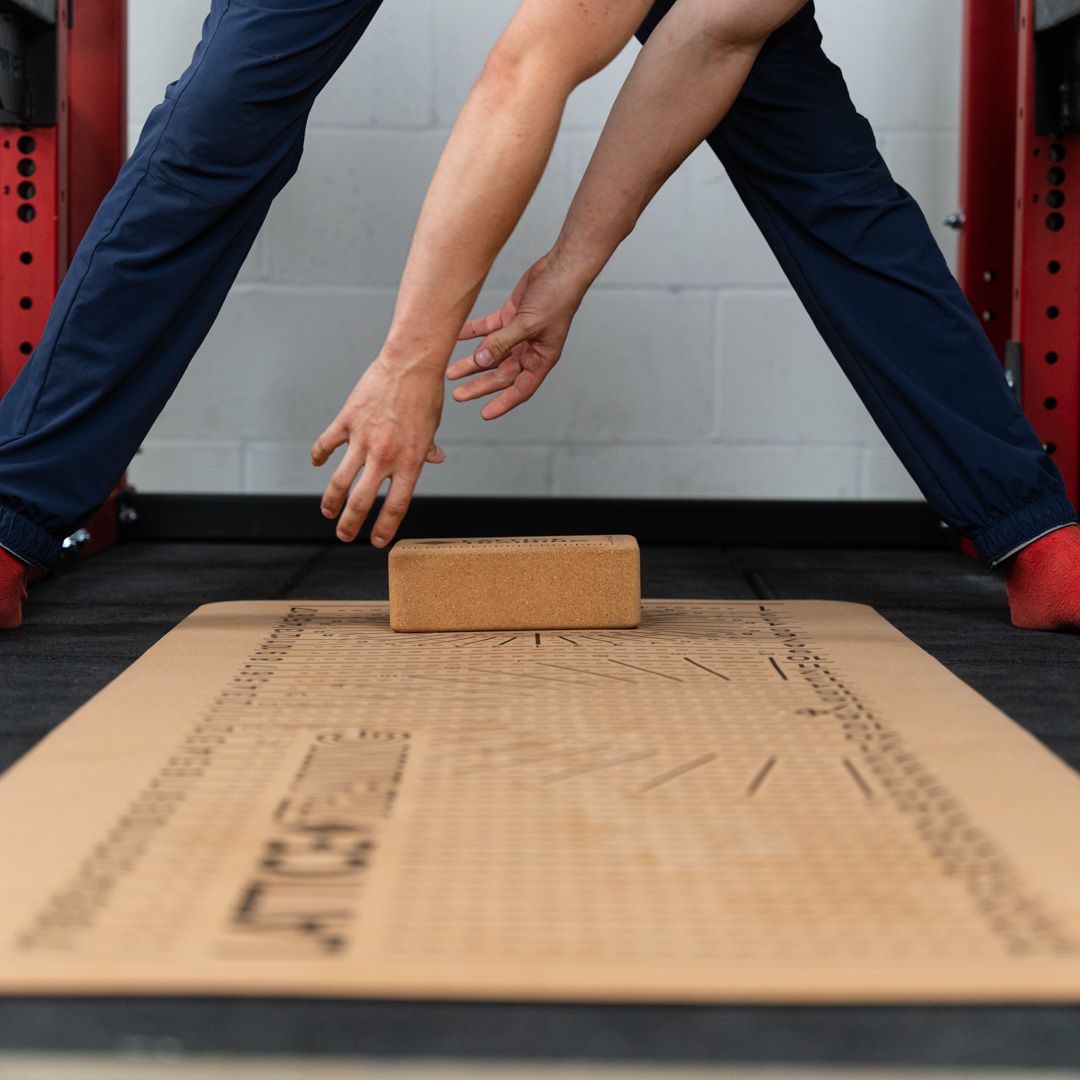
734,802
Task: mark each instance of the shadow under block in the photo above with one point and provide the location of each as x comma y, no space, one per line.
739,801
515,583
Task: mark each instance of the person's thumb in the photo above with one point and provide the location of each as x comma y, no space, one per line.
497,346
436,455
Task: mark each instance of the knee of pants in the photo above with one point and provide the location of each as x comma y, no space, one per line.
229,124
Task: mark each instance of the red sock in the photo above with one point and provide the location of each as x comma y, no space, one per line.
12,590
1044,582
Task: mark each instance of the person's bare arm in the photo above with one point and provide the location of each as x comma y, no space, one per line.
684,81
488,172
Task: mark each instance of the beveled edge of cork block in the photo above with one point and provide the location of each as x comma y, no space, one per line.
461,544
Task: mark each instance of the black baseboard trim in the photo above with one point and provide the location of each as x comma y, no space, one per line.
296,518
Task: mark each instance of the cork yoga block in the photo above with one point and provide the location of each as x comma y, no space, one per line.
515,583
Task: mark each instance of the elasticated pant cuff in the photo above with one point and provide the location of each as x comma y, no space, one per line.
1009,534
27,541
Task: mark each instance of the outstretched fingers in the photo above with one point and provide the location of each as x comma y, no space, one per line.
489,382
337,490
523,388
328,442
481,327
360,501
498,345
461,369
394,507
403,477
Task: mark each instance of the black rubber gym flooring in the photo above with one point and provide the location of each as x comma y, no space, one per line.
84,628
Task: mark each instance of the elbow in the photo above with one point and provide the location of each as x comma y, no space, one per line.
511,67
717,39
503,71
741,25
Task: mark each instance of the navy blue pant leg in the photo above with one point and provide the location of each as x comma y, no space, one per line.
862,259
154,269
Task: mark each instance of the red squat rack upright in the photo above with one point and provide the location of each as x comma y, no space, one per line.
63,138
1020,205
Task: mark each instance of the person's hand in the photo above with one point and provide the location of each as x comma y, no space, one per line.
389,422
522,341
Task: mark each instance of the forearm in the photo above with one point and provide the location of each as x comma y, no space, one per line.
494,160
685,80
489,170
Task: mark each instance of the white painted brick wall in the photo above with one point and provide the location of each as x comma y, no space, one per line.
692,370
